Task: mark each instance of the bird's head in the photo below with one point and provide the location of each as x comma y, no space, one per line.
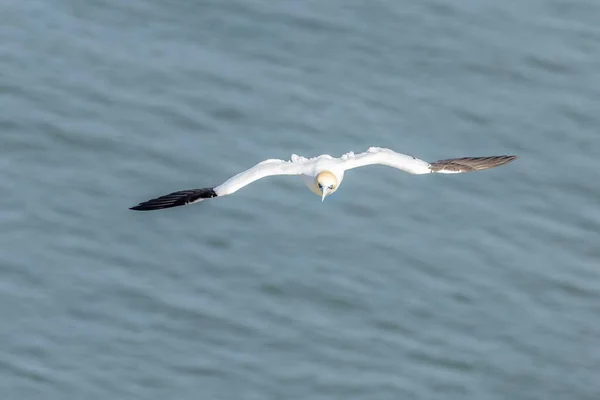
327,183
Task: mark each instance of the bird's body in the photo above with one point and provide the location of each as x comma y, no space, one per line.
324,164
324,174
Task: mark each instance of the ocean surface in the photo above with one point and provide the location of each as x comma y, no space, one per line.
471,286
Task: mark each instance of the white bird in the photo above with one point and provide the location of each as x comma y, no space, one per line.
324,174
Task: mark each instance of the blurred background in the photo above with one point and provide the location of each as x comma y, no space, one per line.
480,286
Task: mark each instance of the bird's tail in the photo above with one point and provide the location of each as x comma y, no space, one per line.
468,164
175,199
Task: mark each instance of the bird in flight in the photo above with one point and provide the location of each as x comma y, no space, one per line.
324,174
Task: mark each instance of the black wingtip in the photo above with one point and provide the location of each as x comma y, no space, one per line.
468,164
175,199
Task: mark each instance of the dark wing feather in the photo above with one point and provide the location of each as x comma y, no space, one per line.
176,199
468,164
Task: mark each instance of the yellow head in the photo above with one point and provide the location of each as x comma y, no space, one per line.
327,183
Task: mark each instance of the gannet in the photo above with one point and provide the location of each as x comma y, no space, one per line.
323,175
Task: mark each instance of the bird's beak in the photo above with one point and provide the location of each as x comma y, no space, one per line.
324,194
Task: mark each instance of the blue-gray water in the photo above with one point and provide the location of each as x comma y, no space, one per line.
479,286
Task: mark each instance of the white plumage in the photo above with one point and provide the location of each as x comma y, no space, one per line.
324,174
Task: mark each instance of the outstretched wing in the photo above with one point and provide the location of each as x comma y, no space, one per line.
378,155
413,165
260,170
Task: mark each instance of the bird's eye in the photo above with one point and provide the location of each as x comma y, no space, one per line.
330,187
320,186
